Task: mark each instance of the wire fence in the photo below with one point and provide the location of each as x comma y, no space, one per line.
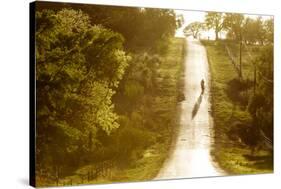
89,174
267,141
233,59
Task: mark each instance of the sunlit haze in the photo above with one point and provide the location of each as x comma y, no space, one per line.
193,16
199,16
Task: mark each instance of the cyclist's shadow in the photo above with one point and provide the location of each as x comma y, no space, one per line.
197,105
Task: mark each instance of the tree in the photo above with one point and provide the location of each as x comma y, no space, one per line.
141,28
254,31
261,103
81,70
260,30
214,21
78,68
269,30
157,25
233,23
179,20
249,31
193,29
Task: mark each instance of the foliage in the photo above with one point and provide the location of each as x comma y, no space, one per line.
261,104
193,29
74,90
269,27
85,81
233,22
214,20
239,146
139,26
240,27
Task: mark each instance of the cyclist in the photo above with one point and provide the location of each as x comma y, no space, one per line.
202,85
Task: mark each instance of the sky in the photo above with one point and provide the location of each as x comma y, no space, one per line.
192,16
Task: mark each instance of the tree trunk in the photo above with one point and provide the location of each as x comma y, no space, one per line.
217,35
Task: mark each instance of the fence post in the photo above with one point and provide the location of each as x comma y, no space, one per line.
57,175
240,60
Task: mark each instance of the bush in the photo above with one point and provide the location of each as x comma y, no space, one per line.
133,90
129,140
237,90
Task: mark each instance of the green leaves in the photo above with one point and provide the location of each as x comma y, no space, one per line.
78,67
80,62
72,21
106,118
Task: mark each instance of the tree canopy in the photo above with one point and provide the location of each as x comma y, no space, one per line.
233,23
193,29
78,68
214,21
142,28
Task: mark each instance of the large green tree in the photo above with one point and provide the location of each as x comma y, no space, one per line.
78,68
142,28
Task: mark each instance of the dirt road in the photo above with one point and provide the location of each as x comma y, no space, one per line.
190,156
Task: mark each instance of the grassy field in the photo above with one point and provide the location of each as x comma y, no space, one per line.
234,157
165,105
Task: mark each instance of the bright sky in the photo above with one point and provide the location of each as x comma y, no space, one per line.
192,16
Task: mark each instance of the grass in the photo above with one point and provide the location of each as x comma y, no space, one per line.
235,158
165,106
145,168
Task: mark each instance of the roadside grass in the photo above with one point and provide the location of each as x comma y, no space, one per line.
144,168
165,106
233,157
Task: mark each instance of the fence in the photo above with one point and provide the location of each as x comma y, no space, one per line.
102,169
232,58
91,173
268,142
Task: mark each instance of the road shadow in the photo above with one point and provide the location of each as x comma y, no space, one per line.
197,105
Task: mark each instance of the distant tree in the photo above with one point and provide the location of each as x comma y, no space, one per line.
260,30
250,29
193,29
254,31
233,23
180,20
214,21
269,30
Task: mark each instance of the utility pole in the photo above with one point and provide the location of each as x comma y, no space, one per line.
255,78
240,58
